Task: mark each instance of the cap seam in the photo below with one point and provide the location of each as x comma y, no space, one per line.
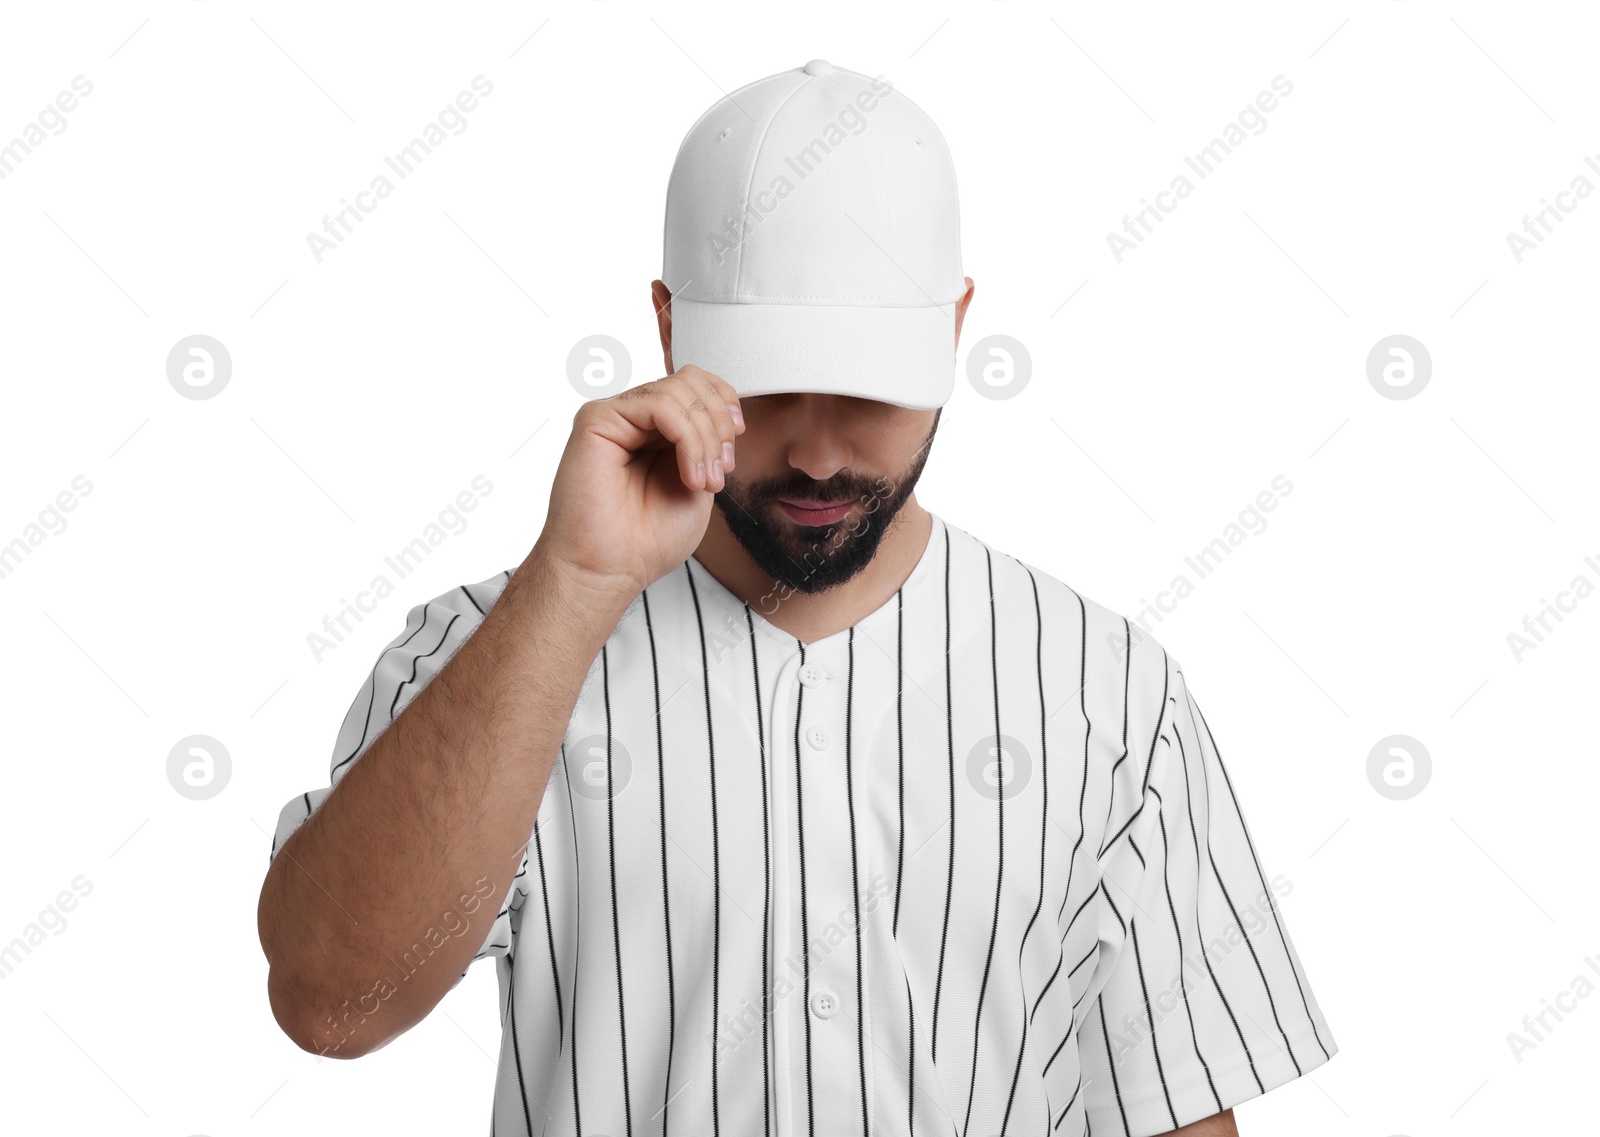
750,180
730,98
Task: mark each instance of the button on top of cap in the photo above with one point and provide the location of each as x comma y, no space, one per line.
819,67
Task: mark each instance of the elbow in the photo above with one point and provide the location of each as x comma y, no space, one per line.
314,1025
297,991
309,988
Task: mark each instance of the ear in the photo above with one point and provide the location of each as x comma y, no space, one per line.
661,297
961,306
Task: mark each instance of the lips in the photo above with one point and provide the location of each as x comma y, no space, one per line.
816,513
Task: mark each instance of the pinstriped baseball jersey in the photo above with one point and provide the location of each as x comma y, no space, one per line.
972,865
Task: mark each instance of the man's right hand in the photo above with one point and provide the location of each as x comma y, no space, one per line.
445,796
633,493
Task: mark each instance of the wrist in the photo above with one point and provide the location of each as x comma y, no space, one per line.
587,589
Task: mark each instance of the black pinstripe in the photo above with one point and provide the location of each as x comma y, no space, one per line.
372,687
766,889
1234,911
716,858
805,933
1195,837
900,747
1277,921
415,663
1111,1064
516,1049
1000,841
911,1066
1177,932
1088,729
577,915
550,935
1127,679
1044,840
1145,782
616,923
855,877
666,892
950,735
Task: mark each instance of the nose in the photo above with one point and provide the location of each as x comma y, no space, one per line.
817,446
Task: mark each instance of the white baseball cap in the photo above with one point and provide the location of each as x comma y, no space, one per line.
813,241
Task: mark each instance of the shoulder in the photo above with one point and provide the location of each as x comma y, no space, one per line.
1109,644
474,599
455,613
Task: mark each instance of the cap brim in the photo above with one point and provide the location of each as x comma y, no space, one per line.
904,356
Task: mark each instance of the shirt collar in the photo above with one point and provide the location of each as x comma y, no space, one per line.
882,618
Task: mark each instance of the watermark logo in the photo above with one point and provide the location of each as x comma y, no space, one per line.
999,367
598,367
199,767
998,771
595,778
1399,767
199,367
1399,367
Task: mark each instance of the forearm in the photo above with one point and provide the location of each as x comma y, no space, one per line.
1217,1125
438,808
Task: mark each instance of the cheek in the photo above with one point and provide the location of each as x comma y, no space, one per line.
758,454
895,443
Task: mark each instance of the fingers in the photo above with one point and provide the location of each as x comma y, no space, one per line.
706,446
696,412
722,391
716,396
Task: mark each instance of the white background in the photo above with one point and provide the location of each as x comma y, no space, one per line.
369,389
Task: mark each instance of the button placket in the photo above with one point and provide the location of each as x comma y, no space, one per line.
824,1004
830,887
792,697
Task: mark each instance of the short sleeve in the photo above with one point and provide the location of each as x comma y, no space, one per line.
1205,1003
434,631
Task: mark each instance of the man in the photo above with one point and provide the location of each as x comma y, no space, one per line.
809,813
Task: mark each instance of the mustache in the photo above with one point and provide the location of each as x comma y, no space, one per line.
842,486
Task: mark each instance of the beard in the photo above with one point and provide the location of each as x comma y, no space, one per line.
815,558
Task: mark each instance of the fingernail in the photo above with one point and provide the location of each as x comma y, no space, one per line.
700,472
738,415
727,455
717,466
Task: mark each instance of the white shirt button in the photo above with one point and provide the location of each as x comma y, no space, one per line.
817,737
812,676
824,1003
